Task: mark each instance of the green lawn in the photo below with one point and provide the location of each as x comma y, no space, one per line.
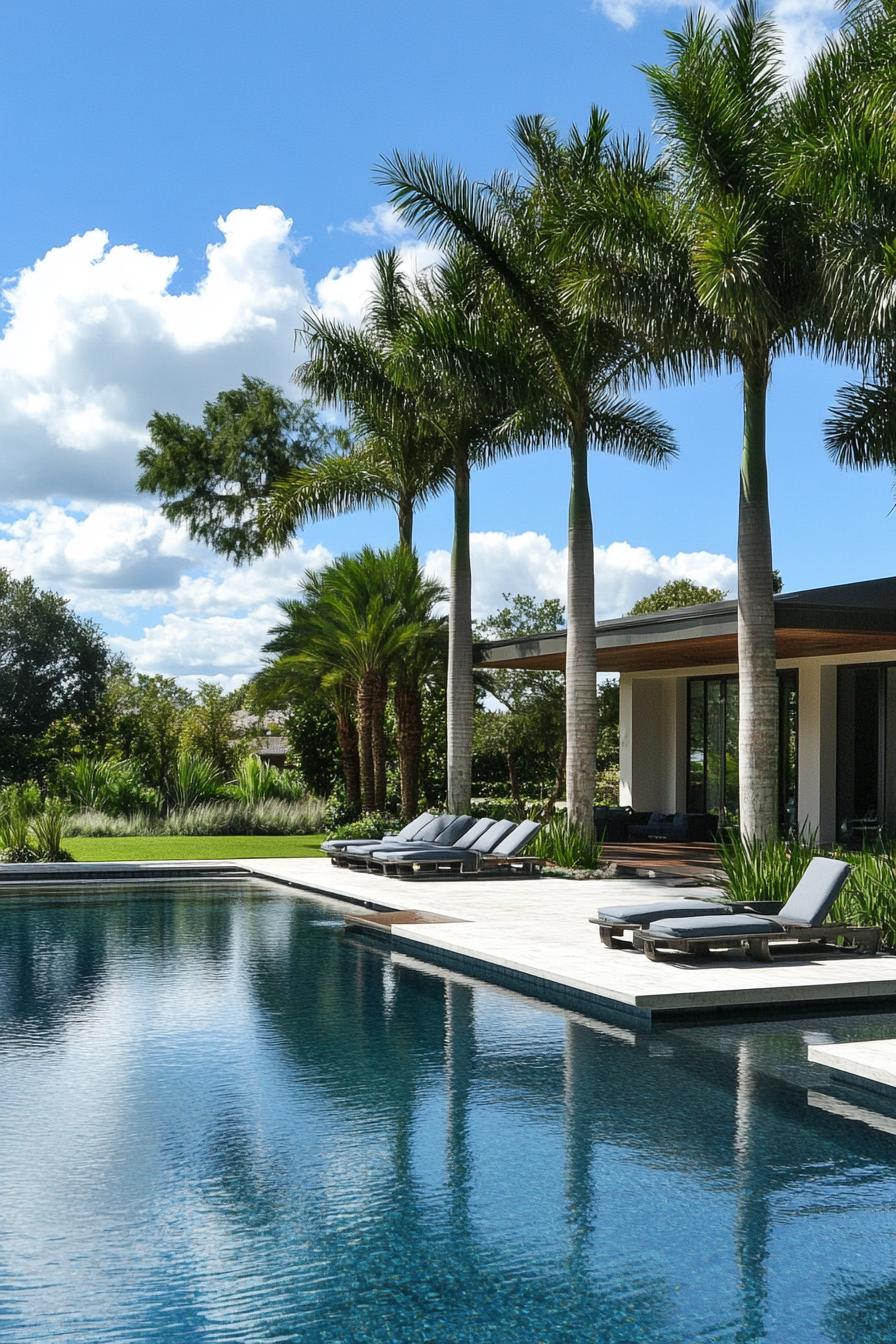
118,849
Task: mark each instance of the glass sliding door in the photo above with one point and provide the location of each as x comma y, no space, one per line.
866,751
712,783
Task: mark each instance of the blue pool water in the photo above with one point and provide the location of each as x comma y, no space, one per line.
223,1120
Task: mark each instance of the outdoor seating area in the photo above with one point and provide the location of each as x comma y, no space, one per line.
620,824
443,846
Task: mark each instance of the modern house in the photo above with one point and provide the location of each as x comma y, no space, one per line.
836,657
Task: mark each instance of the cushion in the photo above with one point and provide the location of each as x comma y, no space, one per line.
646,912
815,893
720,926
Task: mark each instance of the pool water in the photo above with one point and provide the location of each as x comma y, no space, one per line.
222,1119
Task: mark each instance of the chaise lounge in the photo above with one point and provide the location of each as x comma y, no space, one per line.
800,920
443,830
409,832
497,848
613,920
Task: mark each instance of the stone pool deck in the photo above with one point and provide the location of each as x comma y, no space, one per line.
870,1064
534,935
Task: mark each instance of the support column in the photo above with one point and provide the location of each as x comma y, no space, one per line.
817,750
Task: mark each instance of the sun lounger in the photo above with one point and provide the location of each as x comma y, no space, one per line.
445,830
613,920
495,851
800,920
408,832
463,854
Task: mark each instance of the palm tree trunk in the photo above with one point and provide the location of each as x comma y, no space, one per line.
460,647
409,732
758,684
366,715
378,742
406,522
581,668
347,735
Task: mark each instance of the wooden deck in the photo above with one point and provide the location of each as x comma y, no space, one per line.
665,858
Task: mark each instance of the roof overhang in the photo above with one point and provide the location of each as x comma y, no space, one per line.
848,618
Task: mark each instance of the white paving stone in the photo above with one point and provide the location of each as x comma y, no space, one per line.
867,1061
540,928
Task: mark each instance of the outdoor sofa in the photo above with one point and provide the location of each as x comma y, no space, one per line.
800,920
498,849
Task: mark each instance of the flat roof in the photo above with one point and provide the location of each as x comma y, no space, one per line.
843,618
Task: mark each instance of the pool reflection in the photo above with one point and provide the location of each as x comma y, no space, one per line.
221,1119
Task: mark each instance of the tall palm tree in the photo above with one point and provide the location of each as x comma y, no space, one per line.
577,362
711,254
390,458
842,163
466,381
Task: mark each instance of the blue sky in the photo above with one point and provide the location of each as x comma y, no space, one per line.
149,123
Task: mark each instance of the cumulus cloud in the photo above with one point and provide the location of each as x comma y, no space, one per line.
97,338
528,562
804,24
344,292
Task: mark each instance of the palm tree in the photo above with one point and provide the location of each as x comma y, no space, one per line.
391,459
465,380
710,253
843,160
576,362
303,662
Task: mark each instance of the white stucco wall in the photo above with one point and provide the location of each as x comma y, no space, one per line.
653,744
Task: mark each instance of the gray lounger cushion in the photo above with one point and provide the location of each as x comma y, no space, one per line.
408,832
476,841
432,832
723,926
646,913
815,893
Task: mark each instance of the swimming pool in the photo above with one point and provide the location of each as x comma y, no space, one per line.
223,1120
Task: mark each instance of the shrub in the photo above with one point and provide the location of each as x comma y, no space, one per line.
372,826
764,870
566,844
104,784
255,781
95,824
195,780
47,829
285,816
869,896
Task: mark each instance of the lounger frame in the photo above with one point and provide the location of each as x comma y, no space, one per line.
863,941
474,865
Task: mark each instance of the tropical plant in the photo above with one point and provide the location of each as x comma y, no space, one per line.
391,456
567,845
362,621
713,256
195,780
869,897
104,784
47,829
256,780
764,870
575,362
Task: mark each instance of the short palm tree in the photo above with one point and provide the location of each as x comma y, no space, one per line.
576,362
302,662
389,459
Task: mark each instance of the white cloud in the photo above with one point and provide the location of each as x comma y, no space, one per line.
527,562
97,339
344,292
384,221
804,24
